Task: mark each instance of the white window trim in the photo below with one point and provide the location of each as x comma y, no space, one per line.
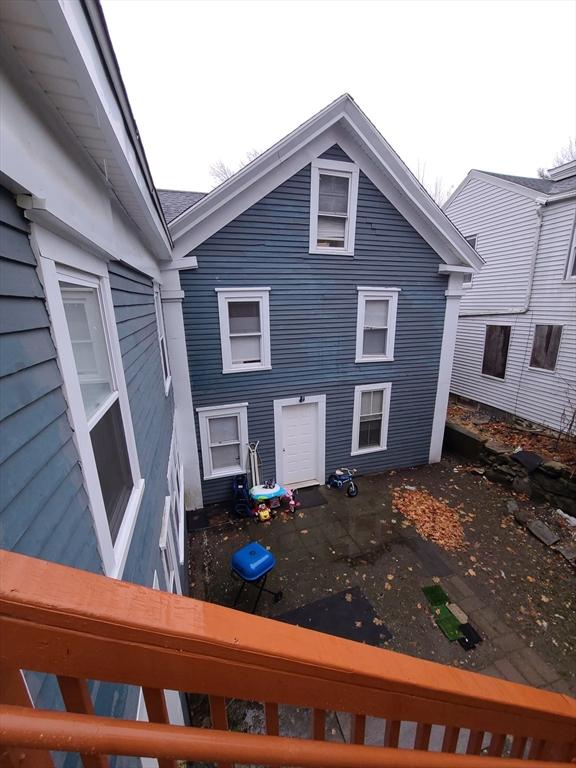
162,338
168,550
570,278
533,339
386,389
176,471
390,294
489,375
204,414
351,170
71,260
466,285
261,295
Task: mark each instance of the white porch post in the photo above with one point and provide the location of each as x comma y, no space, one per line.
453,296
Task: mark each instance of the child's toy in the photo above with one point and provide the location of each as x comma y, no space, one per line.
289,499
266,493
263,512
341,477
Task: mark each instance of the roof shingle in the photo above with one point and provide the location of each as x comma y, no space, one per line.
546,186
175,201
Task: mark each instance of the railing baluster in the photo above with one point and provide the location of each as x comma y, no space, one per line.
76,697
272,721
358,729
536,749
422,738
319,725
219,718
518,746
497,741
475,740
158,713
392,733
13,691
450,740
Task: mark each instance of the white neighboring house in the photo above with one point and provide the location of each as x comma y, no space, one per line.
516,341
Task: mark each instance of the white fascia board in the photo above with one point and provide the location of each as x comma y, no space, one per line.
76,40
344,123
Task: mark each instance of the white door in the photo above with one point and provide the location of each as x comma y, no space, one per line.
300,439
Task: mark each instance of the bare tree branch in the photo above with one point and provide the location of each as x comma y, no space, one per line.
221,172
437,188
564,155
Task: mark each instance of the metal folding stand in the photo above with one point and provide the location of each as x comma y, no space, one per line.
260,585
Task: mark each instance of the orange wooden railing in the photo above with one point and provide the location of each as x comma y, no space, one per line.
79,627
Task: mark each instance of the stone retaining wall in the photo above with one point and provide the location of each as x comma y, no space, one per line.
551,480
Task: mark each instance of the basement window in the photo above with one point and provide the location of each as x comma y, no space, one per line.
496,344
545,346
244,329
333,201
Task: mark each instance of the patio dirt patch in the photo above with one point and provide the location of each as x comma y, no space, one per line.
519,594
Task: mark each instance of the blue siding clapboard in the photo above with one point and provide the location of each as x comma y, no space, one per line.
43,504
313,310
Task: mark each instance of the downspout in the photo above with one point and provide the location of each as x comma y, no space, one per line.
525,305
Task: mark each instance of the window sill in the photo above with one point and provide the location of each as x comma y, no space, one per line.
230,472
568,281
167,385
124,539
541,370
247,369
362,451
333,251
492,378
374,360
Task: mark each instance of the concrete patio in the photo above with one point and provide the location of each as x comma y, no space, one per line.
517,593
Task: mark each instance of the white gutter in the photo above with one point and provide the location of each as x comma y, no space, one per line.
540,203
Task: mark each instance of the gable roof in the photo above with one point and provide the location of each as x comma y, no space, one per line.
176,201
341,122
546,186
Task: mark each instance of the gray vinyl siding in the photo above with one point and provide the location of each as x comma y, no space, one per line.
152,413
506,226
44,508
313,312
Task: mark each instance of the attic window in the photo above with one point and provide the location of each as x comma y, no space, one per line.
334,195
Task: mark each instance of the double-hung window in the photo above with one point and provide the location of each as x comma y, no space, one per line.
496,343
162,339
244,329
545,346
376,324
224,439
370,422
333,201
83,320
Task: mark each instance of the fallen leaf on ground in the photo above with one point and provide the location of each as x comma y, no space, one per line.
390,576
433,518
358,623
377,621
348,597
304,530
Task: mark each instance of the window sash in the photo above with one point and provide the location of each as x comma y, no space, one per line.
333,202
370,421
374,336
545,347
244,338
213,449
496,348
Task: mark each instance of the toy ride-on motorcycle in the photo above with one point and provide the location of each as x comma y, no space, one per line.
342,477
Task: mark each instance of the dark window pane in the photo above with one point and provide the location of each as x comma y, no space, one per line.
113,466
573,270
496,350
370,431
545,348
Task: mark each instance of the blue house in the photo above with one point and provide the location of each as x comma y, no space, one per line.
321,288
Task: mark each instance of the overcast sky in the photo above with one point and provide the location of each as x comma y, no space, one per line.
451,85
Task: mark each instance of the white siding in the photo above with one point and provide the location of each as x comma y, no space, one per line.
537,395
505,224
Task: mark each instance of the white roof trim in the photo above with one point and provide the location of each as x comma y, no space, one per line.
341,122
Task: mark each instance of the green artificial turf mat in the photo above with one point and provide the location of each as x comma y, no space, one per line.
447,623
435,595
